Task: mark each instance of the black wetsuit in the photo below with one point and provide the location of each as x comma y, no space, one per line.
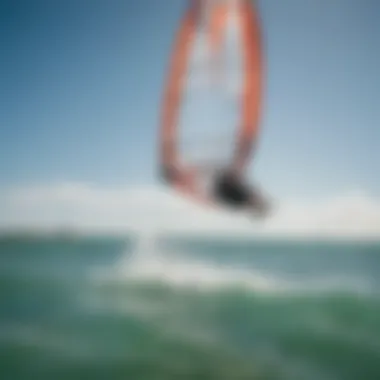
227,188
231,191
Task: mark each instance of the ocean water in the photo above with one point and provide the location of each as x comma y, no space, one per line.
121,308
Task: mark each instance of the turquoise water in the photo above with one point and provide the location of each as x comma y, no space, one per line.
104,308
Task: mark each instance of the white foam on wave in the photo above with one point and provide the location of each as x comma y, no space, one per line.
149,264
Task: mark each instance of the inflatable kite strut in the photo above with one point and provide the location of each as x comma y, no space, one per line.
214,14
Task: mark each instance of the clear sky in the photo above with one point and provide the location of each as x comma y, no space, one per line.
81,84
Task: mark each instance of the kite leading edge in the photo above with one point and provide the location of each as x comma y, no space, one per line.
228,183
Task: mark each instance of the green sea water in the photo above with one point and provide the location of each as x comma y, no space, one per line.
106,308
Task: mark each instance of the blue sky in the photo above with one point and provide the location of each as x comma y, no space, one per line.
81,85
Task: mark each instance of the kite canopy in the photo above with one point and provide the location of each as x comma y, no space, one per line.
212,100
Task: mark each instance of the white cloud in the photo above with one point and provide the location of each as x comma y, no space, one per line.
91,208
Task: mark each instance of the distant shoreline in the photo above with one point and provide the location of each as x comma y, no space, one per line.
29,234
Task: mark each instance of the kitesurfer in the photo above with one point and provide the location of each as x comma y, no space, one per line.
228,188
231,189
